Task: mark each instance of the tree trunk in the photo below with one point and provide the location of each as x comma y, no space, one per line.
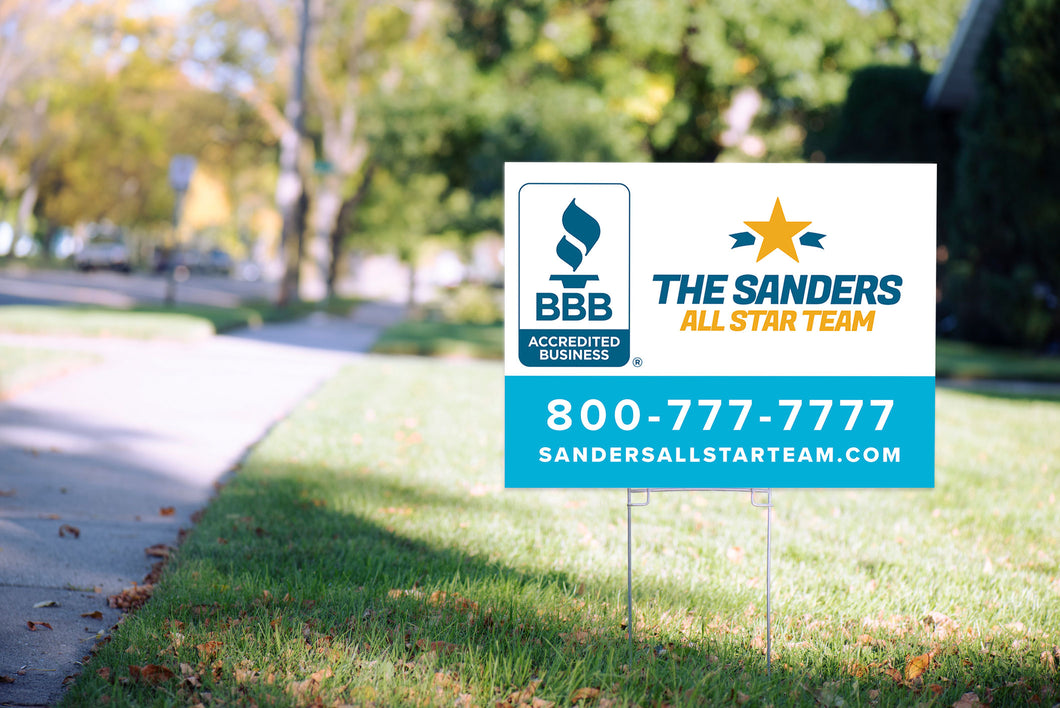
342,227
291,195
28,200
326,214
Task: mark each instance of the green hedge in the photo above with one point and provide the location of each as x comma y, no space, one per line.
1005,276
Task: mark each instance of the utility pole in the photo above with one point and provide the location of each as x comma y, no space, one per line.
181,168
290,189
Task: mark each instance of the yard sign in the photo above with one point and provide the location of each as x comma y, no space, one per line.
719,325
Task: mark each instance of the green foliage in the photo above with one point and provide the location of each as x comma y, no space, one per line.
884,119
429,337
966,361
367,541
473,304
182,322
1005,256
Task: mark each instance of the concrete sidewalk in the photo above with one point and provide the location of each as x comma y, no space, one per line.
108,448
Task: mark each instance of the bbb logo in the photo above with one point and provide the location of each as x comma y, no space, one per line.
574,274
581,228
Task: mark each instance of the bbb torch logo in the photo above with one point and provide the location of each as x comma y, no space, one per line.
574,275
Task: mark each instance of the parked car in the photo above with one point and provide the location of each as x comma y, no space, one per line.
216,261
103,252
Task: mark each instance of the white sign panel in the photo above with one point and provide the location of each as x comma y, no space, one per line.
719,325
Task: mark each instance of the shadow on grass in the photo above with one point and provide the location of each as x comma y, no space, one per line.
279,582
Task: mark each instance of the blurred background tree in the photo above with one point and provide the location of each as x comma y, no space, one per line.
413,106
1005,250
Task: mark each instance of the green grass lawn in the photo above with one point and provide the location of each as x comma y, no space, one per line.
445,339
366,554
961,360
181,322
23,367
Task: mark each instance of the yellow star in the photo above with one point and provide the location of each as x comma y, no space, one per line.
778,233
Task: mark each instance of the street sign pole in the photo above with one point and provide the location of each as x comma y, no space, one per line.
181,168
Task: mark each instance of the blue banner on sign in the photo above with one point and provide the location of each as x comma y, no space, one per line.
730,431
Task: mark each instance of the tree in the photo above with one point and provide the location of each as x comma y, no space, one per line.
360,53
1005,257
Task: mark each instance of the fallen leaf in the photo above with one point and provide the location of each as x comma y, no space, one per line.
131,598
95,614
584,694
939,625
151,673
50,517
916,666
7,492
968,700
33,625
167,511
893,673
245,676
735,554
741,698
523,695
104,673
68,530
6,679
1049,661
580,636
444,647
159,550
46,603
208,648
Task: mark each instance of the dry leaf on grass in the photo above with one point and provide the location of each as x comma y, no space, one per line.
1049,659
68,530
585,694
167,511
968,700
103,673
95,614
150,673
735,554
917,665
310,685
893,673
34,625
131,598
208,649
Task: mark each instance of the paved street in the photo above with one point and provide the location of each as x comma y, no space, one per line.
107,448
50,287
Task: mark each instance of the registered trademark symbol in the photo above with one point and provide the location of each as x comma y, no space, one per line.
637,361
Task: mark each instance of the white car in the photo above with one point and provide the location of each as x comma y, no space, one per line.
103,252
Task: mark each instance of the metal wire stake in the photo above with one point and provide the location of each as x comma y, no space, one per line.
769,579
629,560
629,572
768,506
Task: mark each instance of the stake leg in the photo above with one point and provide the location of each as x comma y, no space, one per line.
629,572
769,579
